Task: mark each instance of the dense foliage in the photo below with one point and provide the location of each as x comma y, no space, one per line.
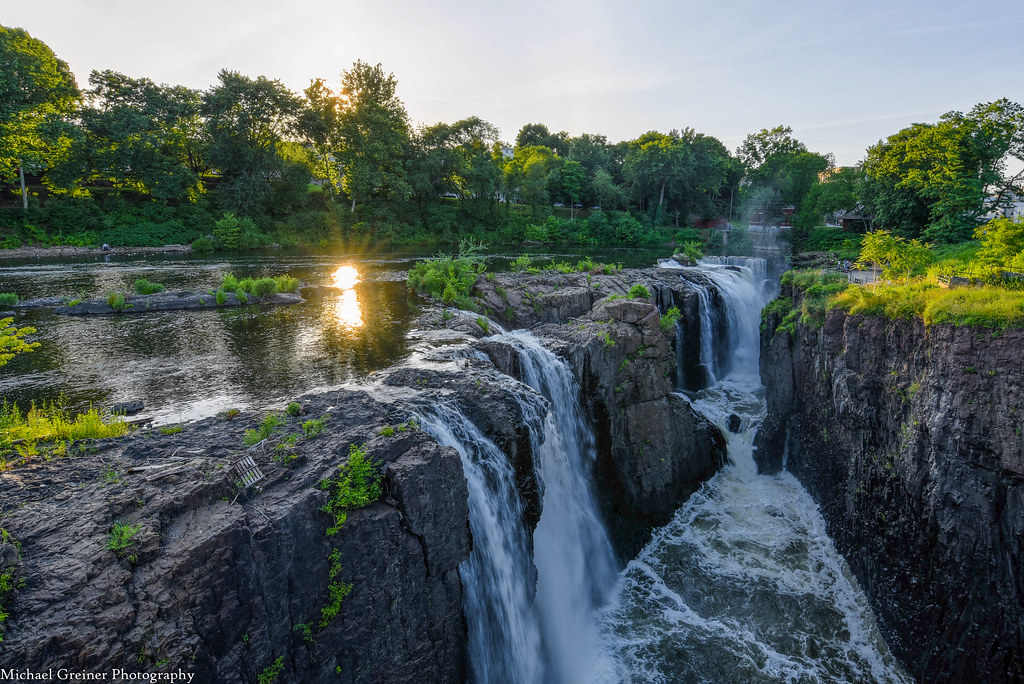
248,163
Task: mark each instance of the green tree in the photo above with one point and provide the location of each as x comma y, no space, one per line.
607,193
934,180
37,91
538,135
839,191
317,123
247,119
897,256
526,177
780,171
1002,239
572,184
373,136
137,136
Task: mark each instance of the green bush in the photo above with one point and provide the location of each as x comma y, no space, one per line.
203,244
144,287
116,301
521,263
693,250
670,318
264,287
638,291
286,283
313,427
232,232
268,426
8,299
358,484
121,536
221,297
449,278
293,409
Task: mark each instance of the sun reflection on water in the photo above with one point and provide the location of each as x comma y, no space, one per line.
346,277
347,310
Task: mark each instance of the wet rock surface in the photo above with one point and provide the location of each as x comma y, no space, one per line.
654,449
910,440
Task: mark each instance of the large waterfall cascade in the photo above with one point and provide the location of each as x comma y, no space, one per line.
743,584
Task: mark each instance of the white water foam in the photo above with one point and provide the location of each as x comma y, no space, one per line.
744,584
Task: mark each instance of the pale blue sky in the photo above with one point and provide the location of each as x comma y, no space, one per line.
842,74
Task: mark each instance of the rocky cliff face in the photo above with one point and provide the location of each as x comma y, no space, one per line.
221,580
654,449
910,440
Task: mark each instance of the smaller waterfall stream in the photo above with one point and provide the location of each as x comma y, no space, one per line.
497,578
517,635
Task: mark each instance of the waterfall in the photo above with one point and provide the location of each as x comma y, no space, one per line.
497,578
516,634
575,565
743,584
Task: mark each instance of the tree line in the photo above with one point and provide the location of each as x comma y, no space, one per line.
126,155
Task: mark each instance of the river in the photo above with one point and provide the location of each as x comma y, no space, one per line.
195,364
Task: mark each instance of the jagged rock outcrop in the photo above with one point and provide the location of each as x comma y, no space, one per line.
654,449
221,581
910,440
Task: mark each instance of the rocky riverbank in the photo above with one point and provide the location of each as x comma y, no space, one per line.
910,439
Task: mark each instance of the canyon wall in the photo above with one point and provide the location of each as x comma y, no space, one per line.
909,437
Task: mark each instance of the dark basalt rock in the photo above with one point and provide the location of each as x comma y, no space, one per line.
910,440
735,424
216,577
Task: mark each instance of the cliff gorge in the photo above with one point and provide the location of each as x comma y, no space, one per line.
910,440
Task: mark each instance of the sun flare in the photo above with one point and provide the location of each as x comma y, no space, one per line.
346,277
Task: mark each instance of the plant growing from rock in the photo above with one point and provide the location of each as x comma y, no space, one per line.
272,671
269,425
358,483
638,291
669,319
264,287
336,592
8,299
293,409
447,277
116,301
145,287
121,536
311,428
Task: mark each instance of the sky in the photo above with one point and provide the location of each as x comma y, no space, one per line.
843,75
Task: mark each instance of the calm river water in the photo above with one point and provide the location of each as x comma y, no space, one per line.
192,364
